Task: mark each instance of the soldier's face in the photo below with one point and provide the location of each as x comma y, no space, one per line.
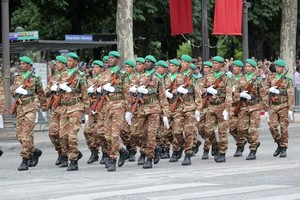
140,67
24,66
112,61
128,69
249,69
149,65
185,65
206,69
59,66
105,63
173,68
217,66
279,69
236,69
161,70
71,63
96,70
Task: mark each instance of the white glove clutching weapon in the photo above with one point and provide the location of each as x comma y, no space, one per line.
197,115
99,89
93,112
1,121
133,89
21,90
168,94
211,90
86,117
108,87
54,87
233,88
166,122
65,87
91,89
291,115
142,89
274,90
182,90
267,116
245,95
128,117
225,115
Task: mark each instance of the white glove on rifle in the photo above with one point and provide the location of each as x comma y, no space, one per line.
128,117
1,121
44,114
99,89
291,115
166,122
65,87
86,117
182,90
133,89
169,94
91,89
93,112
142,89
108,87
233,88
21,90
245,95
274,90
197,115
54,87
211,90
267,116
225,115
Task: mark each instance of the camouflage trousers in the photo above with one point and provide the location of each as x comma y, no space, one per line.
248,123
25,125
54,130
209,140
184,130
165,137
125,134
101,130
90,132
279,117
69,127
214,119
233,128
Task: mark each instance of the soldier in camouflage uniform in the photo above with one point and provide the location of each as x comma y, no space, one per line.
250,92
233,119
105,61
2,105
26,112
217,87
51,90
282,100
74,102
187,112
154,102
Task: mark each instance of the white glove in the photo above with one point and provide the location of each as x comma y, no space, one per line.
44,114
128,117
245,95
225,115
212,90
166,122
267,116
54,87
91,89
93,112
99,89
169,94
290,115
142,89
1,121
197,115
233,88
86,117
182,90
36,117
274,90
65,87
108,87
21,90
133,89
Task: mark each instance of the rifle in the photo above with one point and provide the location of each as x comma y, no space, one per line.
277,85
18,99
174,105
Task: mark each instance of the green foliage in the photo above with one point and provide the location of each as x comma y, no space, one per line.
184,48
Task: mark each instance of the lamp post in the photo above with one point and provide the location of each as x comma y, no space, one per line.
246,5
205,46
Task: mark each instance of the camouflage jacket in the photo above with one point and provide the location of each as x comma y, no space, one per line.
2,96
234,81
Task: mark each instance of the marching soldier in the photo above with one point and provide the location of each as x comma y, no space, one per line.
2,105
217,87
26,87
251,94
281,94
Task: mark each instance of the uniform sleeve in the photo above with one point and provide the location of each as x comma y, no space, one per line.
228,98
84,95
164,104
263,95
126,85
198,95
290,94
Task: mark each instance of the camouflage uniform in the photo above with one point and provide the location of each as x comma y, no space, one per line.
2,96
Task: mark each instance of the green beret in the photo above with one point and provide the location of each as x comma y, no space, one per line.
105,58
114,54
251,62
62,59
218,59
192,66
140,60
162,63
175,62
130,63
280,63
186,57
97,62
238,63
73,55
208,63
151,58
26,59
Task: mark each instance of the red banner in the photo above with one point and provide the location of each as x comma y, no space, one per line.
181,16
228,17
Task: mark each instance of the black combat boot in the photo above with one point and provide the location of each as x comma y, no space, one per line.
180,153
277,151
239,151
36,155
148,163
187,160
58,161
166,154
29,162
79,155
1,152
221,158
123,156
141,159
94,156
283,152
158,151
112,166
196,148
205,154
217,154
64,161
24,165
132,156
103,158
73,166
252,155
108,162
174,157
213,151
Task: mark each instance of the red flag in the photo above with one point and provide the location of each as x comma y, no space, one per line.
228,17
181,16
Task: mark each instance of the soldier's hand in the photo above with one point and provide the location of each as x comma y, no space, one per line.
86,117
91,89
291,115
21,90
169,94
267,116
99,89
182,90
212,90
274,90
54,87
233,88
133,89
225,115
1,121
197,115
166,122
36,117
142,89
245,95
128,117
108,87
65,87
